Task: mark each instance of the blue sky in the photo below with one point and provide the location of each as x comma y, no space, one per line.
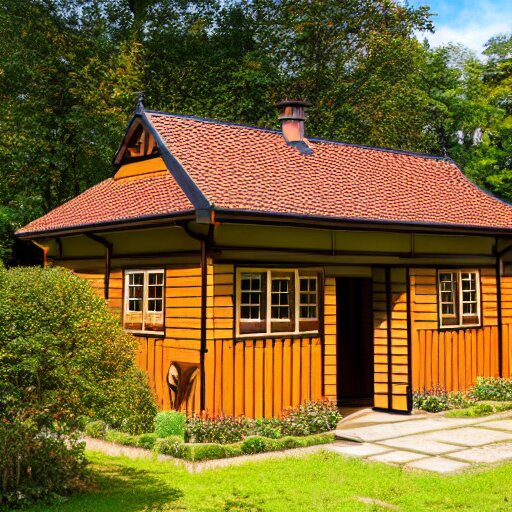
469,22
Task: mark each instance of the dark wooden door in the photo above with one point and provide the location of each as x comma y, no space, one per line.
355,340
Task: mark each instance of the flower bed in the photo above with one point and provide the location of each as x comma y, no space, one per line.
206,437
473,403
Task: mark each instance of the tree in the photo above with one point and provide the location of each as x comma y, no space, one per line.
63,355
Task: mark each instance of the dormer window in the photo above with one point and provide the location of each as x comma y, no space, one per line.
136,144
139,144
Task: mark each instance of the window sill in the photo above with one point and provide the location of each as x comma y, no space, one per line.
459,327
278,335
147,334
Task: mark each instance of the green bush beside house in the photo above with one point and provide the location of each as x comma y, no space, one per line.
63,356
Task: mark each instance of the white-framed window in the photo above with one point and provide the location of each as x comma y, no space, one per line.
271,301
459,298
308,297
144,301
280,299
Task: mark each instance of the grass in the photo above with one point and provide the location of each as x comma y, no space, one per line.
484,408
319,482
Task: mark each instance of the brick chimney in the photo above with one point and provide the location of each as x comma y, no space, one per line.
292,116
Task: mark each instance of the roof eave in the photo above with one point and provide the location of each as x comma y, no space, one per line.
120,225
237,216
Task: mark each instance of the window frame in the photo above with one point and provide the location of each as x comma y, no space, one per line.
316,304
145,299
458,300
266,307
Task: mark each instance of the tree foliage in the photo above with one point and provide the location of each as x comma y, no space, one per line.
63,356
69,71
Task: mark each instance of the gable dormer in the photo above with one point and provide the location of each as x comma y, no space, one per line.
138,153
137,144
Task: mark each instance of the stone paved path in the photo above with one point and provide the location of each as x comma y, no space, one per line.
426,442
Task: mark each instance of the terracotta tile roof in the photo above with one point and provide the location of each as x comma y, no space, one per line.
245,168
253,170
114,201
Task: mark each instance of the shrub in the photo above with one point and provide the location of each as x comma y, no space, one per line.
170,423
171,445
147,441
434,399
217,429
199,452
250,445
116,436
63,356
310,418
459,400
97,429
267,427
492,388
254,444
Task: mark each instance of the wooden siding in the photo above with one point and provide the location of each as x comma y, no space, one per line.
256,377
259,377
141,168
330,339
390,341
453,358
155,356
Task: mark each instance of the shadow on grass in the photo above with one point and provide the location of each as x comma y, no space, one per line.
130,489
115,488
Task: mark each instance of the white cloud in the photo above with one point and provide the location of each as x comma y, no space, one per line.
471,25
472,36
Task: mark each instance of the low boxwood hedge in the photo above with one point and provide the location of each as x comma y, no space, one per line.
196,452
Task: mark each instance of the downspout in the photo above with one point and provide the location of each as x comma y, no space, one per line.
389,298
108,261
409,340
499,255
206,243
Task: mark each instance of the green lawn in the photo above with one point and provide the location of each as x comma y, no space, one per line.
322,482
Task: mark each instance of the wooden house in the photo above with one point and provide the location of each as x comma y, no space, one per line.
260,268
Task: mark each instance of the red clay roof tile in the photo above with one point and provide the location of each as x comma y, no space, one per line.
251,169
115,201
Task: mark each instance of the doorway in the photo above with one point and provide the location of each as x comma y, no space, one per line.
354,318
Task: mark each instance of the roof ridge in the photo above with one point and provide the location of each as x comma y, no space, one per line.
312,139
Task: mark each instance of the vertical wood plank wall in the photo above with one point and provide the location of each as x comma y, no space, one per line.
454,358
254,377
181,342
390,341
330,339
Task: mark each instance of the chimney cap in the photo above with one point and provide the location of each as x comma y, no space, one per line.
292,103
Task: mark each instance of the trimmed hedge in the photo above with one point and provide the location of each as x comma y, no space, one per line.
196,452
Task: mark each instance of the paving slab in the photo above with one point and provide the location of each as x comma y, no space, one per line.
469,436
497,424
375,417
486,454
396,457
438,465
392,430
420,443
357,450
